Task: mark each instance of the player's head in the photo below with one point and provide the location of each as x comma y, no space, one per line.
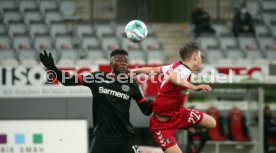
190,53
119,61
199,6
267,111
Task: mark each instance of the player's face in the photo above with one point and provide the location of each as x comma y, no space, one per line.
119,64
198,60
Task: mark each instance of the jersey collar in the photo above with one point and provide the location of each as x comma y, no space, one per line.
185,65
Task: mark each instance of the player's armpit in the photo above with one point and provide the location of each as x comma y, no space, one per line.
145,106
176,79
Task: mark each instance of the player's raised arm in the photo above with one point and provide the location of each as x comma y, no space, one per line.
63,77
176,79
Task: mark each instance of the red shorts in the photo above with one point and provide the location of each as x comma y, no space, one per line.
164,132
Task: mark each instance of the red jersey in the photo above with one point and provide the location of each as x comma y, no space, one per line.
171,98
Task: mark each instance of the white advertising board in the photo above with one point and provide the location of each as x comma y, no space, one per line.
43,136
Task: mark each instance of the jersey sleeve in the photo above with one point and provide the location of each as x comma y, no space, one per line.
138,94
183,72
165,68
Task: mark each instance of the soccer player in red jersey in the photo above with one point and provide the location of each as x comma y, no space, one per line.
169,111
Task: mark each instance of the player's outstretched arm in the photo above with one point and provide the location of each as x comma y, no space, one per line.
177,80
64,78
147,70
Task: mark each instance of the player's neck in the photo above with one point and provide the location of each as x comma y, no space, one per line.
188,64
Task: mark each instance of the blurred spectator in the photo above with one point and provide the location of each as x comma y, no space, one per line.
243,22
269,127
201,134
200,19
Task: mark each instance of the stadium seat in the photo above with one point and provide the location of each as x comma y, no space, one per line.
273,30
32,15
247,42
268,5
207,42
48,5
214,55
150,30
28,62
93,54
64,41
120,31
12,15
136,57
17,28
269,17
10,62
100,61
51,16
5,41
221,29
234,54
110,43
150,43
237,126
261,61
27,54
228,42
254,8
84,28
22,41
225,61
27,4
83,62
217,133
90,41
7,4
104,29
127,45
262,29
68,7
243,61
267,43
37,28
70,54
43,41
3,28
58,27
254,54
156,57
7,54
66,63
271,55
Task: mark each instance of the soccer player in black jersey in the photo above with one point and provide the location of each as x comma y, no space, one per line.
112,93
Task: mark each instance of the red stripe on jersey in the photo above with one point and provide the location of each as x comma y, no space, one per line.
189,77
80,78
175,65
161,69
142,100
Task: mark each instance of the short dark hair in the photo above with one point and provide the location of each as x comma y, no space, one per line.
187,51
118,51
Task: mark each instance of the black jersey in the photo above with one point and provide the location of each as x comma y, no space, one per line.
111,103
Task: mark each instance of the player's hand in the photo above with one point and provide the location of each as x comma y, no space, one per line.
47,60
203,87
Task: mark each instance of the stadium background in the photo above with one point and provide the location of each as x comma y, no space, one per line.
81,33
